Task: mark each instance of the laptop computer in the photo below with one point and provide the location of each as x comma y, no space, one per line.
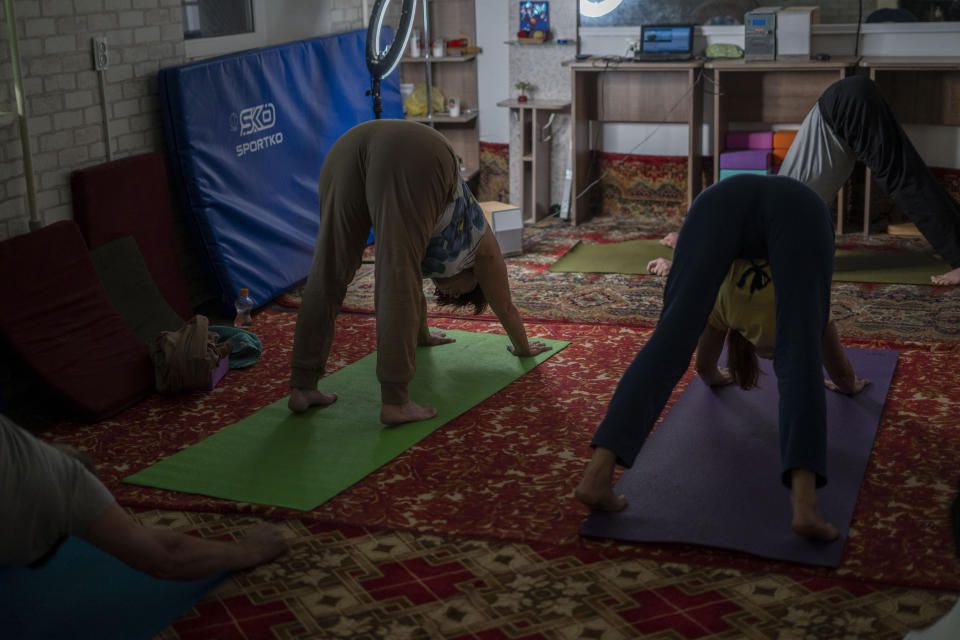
665,43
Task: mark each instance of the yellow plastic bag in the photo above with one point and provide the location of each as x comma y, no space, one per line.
416,102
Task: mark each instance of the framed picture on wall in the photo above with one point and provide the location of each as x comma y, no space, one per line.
534,19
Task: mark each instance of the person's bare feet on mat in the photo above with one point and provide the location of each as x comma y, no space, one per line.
303,399
596,487
807,521
409,412
948,278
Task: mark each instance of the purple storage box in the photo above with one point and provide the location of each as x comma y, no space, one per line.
751,159
749,139
218,372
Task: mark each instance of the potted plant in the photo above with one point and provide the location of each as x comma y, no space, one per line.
524,88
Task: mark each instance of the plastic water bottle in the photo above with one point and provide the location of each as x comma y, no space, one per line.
244,307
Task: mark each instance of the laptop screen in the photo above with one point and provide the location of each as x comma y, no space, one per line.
666,38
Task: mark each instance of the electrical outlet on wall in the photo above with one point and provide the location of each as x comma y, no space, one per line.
101,60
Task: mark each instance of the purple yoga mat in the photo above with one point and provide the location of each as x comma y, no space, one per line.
748,159
710,473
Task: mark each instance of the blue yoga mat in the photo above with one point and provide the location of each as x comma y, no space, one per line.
710,473
85,593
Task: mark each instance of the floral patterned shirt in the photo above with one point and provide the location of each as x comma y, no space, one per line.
455,237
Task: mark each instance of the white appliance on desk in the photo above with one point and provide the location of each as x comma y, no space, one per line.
793,31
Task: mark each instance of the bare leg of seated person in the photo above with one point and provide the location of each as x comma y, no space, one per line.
409,412
949,278
596,487
303,399
807,521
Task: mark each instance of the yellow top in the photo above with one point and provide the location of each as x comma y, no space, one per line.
746,304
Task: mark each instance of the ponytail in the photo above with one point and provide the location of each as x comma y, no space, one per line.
742,360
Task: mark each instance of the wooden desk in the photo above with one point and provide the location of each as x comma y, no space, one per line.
535,118
919,91
631,92
774,92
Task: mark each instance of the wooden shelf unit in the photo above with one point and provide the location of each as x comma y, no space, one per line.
771,92
535,118
454,76
631,92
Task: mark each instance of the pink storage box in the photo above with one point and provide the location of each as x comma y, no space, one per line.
749,139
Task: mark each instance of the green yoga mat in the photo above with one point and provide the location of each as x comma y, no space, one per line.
618,257
887,267
850,265
300,461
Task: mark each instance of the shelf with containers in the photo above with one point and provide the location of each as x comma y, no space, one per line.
453,74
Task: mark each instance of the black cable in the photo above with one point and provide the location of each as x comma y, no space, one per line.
856,43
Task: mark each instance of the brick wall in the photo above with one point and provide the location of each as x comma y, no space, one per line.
62,89
346,14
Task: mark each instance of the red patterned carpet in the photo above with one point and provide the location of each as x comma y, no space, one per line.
473,532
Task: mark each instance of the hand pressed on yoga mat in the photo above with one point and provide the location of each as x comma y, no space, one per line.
659,266
535,347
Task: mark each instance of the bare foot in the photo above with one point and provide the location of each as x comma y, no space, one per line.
670,240
948,278
303,399
807,521
659,266
409,412
266,541
596,487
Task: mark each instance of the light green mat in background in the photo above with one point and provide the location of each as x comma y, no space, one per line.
850,265
300,461
631,256
887,267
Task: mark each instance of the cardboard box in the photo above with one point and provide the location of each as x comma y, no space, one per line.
506,221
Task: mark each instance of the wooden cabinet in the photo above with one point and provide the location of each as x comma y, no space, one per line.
455,76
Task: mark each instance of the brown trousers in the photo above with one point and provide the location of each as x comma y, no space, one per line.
397,176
